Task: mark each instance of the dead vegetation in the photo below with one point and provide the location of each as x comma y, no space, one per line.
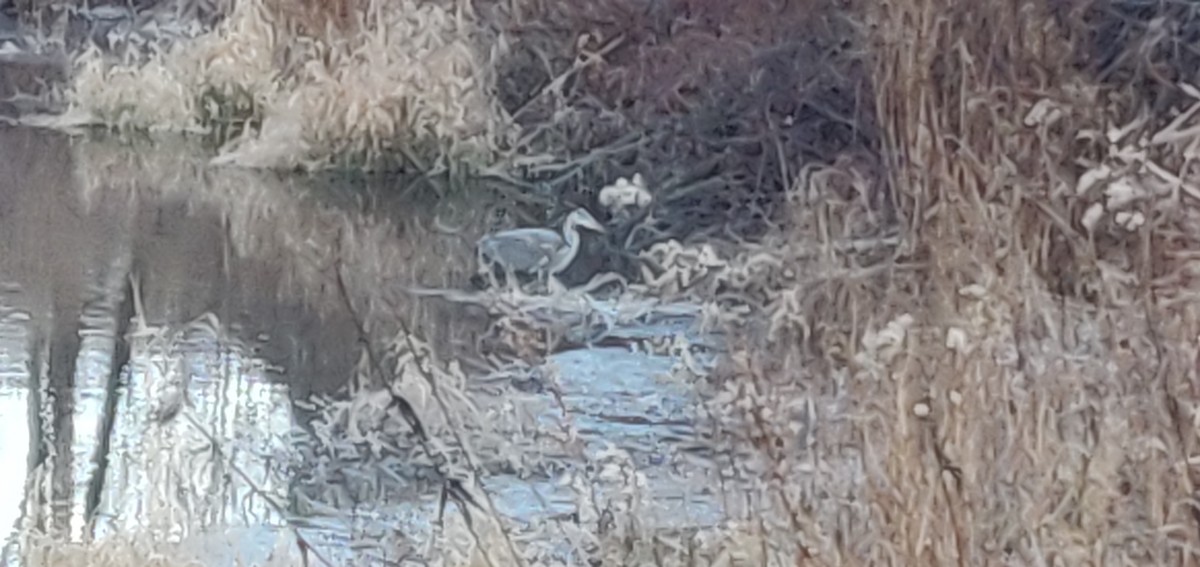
1013,384
376,86
718,106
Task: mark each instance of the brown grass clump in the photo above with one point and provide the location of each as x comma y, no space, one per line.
1011,380
379,83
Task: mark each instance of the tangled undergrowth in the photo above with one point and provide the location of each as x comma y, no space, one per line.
717,105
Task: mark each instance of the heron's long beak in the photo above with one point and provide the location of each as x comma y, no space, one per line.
593,224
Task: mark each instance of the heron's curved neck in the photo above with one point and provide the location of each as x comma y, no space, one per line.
571,238
571,233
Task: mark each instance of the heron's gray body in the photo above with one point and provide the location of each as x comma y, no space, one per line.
538,251
522,249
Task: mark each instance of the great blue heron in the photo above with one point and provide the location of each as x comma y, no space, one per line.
539,251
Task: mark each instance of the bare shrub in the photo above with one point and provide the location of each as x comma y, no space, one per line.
1142,46
718,105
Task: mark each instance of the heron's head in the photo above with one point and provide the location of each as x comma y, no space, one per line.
583,219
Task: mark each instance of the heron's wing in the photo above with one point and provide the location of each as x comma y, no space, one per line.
550,246
532,235
521,249
542,239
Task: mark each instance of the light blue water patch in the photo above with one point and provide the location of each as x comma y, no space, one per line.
617,393
619,398
14,445
14,338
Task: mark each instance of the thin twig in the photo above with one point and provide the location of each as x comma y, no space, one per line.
581,63
301,542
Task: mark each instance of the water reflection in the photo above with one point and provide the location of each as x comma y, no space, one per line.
79,221
243,294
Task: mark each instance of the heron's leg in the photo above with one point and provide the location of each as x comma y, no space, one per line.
554,286
487,269
551,284
510,279
492,277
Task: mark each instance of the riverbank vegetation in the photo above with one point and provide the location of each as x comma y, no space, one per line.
951,243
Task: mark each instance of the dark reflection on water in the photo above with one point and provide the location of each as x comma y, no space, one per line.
78,219
68,243
236,275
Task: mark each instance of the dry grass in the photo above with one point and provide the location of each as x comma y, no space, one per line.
390,83
1015,383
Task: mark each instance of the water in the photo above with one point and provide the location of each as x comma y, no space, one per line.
247,293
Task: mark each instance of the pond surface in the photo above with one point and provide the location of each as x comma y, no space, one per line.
176,342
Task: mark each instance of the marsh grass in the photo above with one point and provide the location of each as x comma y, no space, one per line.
1011,384
394,84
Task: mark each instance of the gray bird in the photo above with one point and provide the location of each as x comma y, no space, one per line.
539,251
